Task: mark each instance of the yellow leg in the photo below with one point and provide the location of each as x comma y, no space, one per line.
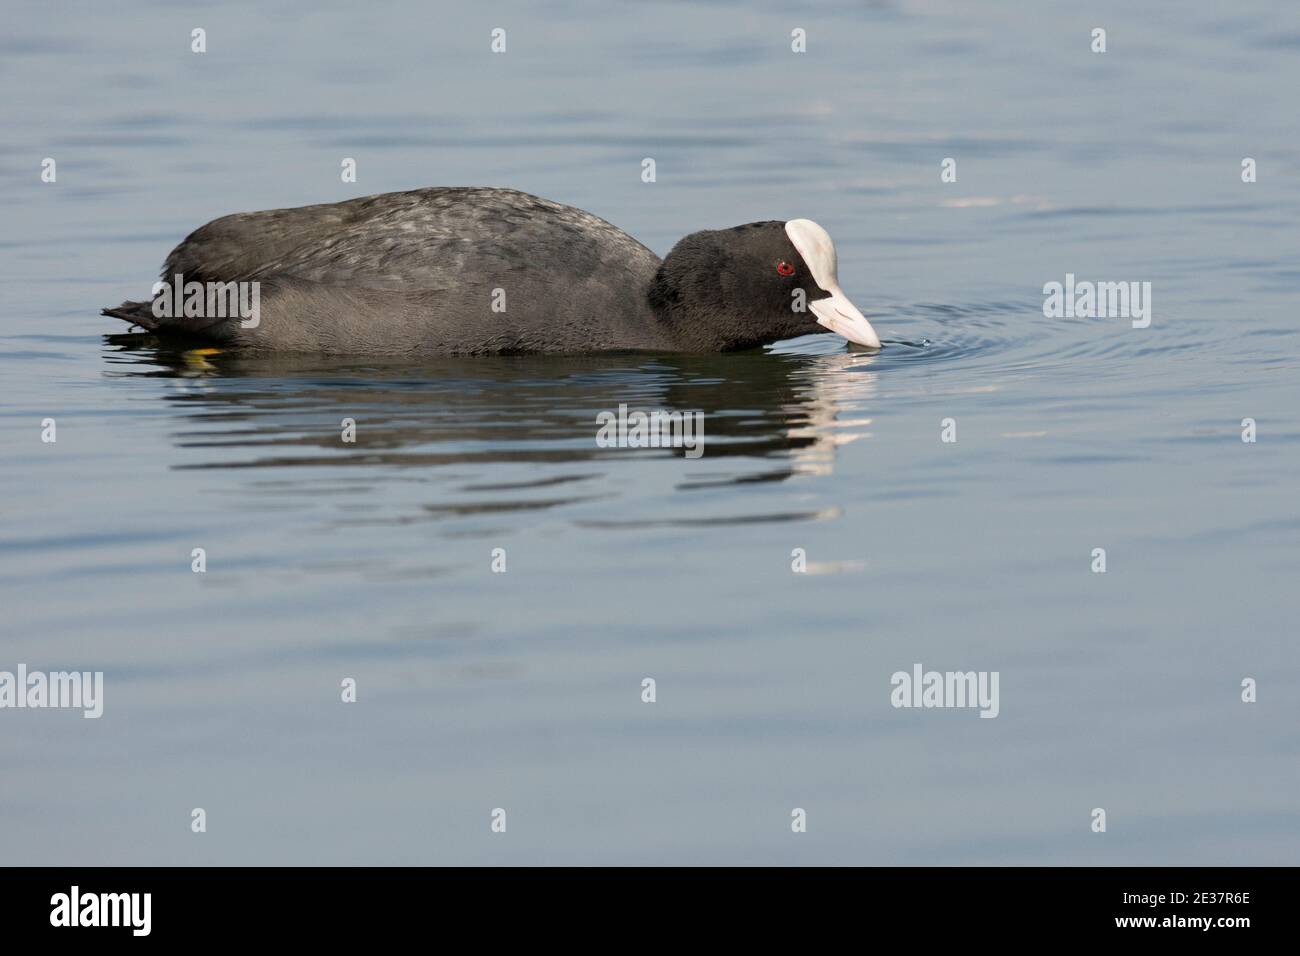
196,358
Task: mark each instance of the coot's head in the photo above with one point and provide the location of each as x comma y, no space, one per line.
738,288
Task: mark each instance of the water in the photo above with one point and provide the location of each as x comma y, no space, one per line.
522,690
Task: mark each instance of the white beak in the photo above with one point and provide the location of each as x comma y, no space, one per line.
836,313
843,318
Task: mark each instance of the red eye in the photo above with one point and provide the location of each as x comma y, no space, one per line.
784,269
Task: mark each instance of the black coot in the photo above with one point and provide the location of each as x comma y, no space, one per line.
450,270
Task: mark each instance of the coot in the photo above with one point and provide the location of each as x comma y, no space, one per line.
449,270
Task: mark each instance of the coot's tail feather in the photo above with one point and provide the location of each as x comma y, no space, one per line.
137,313
142,314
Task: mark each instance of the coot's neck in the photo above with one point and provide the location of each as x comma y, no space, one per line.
682,313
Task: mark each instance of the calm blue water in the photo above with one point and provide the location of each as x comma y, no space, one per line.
522,690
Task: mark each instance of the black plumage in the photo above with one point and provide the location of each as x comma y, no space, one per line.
419,272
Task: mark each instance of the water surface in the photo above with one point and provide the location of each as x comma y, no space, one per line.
522,690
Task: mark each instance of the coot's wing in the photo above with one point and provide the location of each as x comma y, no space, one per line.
237,246
421,239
